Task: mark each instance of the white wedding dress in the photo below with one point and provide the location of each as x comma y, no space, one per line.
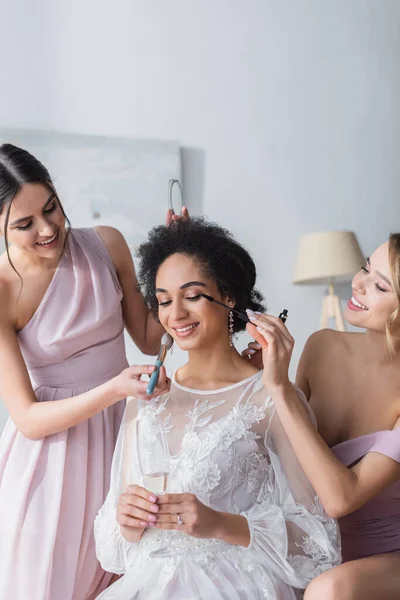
229,448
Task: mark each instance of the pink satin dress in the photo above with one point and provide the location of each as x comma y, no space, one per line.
51,489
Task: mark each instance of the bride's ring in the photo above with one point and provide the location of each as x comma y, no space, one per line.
180,522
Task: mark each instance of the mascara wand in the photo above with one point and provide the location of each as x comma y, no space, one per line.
241,314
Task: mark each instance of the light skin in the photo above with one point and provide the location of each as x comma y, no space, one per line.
363,399
35,218
212,364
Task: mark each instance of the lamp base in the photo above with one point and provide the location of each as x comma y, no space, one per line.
331,310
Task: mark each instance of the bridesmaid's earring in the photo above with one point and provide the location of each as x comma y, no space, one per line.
230,328
171,351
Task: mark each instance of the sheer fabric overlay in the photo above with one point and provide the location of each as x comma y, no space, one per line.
229,448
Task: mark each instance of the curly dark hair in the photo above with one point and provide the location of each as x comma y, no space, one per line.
220,257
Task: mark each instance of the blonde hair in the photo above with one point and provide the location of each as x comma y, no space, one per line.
394,261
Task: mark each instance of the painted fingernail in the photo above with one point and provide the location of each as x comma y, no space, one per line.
258,346
152,518
250,351
259,329
154,508
250,312
152,498
258,313
143,524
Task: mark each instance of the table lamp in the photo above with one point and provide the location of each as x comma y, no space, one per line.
324,258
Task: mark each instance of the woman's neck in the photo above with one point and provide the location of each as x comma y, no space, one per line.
375,349
27,263
214,367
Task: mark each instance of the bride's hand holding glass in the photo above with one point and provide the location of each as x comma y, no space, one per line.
136,509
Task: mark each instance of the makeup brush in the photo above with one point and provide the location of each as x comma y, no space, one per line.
166,343
241,314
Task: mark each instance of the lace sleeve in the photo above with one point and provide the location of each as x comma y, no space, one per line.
290,531
113,551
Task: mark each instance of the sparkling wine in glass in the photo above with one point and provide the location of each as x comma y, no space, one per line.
156,483
152,450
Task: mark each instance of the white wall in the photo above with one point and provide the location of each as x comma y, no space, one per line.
289,110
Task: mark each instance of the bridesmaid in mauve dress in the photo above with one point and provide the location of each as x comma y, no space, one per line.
375,527
65,298
352,381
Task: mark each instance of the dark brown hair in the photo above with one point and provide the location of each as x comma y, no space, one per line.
18,167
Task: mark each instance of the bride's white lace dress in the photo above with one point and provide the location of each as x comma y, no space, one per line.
229,448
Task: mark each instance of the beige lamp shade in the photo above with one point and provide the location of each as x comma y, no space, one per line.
327,256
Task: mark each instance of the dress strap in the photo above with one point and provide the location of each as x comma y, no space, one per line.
90,240
388,444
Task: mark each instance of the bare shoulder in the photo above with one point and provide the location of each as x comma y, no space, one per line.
116,245
321,349
5,289
328,341
111,236
8,279
6,296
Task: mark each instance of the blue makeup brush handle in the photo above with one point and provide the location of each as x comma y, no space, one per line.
154,378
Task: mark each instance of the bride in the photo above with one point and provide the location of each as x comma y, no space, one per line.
239,520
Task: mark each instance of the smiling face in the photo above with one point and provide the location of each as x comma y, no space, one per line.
374,298
36,223
193,321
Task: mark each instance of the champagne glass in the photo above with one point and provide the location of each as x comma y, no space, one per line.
152,451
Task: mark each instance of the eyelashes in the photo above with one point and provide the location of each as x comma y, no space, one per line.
378,287
190,298
24,227
49,210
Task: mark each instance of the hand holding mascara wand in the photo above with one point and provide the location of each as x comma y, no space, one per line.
276,346
260,324
249,317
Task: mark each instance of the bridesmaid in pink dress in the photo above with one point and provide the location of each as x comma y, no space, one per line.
65,297
353,383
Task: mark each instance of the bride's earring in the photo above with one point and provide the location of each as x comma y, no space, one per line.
230,328
171,351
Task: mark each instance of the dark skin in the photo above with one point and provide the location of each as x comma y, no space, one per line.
212,364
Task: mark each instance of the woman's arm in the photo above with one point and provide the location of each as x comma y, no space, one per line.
341,490
36,419
302,374
143,328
